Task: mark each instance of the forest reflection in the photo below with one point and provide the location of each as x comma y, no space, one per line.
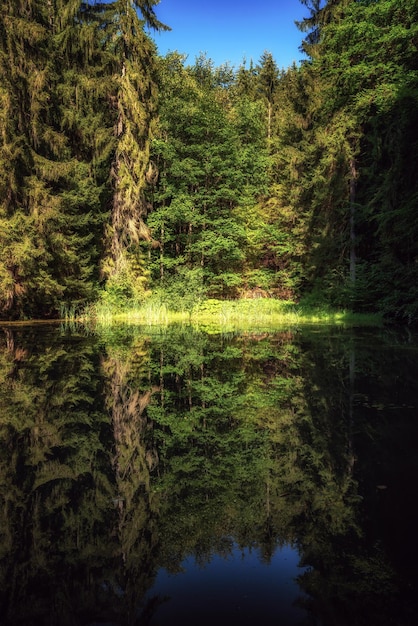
125,452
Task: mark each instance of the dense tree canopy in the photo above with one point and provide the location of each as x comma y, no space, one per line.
125,174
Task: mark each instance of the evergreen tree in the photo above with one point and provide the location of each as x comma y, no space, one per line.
196,153
47,196
268,79
245,83
135,95
329,171
285,238
381,76
291,182
77,99
364,62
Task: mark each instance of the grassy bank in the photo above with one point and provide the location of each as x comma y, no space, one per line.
231,314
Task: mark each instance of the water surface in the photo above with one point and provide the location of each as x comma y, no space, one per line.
175,477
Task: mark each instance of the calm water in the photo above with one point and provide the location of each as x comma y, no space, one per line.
176,477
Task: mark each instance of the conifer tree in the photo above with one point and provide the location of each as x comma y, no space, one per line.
135,95
245,83
268,79
196,151
43,249
362,60
50,202
77,106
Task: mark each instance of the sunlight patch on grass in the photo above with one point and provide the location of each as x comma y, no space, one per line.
262,313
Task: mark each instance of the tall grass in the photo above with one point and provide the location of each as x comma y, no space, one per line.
262,313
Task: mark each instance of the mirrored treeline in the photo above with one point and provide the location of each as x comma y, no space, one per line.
134,462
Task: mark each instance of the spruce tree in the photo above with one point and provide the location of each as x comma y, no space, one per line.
194,219
77,106
134,93
268,79
362,68
50,201
43,249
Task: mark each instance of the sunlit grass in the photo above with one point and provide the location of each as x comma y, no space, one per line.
262,313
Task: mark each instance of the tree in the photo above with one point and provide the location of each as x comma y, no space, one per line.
51,213
365,64
135,95
78,100
268,80
359,57
196,153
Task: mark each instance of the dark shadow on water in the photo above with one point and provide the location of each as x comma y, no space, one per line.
186,478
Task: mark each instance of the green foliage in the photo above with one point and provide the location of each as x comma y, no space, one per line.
213,159
134,92
356,177
182,291
125,288
196,154
78,101
124,172
50,203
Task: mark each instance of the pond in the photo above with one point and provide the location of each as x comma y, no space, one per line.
171,476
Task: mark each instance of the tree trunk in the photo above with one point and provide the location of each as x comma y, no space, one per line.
162,254
353,177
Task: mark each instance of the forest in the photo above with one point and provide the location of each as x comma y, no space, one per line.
127,176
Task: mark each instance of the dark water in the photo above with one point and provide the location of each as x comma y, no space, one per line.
178,477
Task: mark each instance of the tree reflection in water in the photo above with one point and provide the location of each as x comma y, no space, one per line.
125,454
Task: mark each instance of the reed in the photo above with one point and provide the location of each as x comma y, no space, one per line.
262,313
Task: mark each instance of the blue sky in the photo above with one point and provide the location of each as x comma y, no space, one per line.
232,30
